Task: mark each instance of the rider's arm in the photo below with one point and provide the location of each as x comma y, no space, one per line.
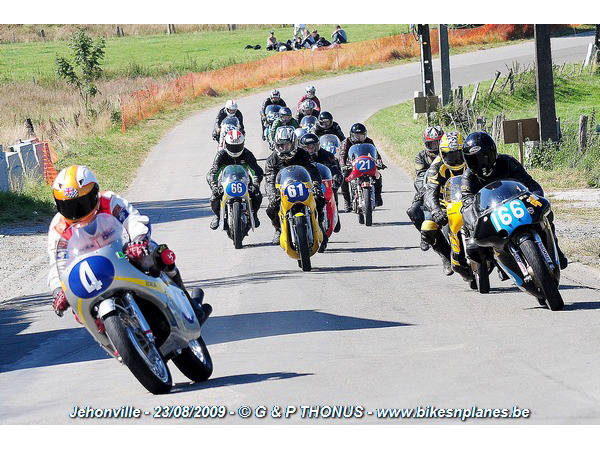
270,176
240,117
263,107
318,102
134,223
214,170
518,172
253,164
338,132
420,168
53,239
273,129
432,186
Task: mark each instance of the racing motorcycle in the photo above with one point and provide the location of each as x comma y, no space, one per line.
476,274
331,213
236,216
361,180
330,143
513,228
301,235
271,114
228,124
148,320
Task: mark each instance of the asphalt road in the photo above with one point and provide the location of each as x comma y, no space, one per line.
375,324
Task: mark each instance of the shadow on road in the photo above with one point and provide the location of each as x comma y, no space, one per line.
390,224
396,268
174,210
240,327
366,249
234,380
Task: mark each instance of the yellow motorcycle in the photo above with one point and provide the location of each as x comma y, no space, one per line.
477,275
301,235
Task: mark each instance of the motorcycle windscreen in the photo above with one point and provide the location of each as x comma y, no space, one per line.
234,172
362,150
496,193
330,143
102,231
232,122
292,174
308,122
324,171
452,192
272,109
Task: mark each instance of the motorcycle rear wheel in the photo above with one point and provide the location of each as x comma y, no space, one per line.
300,228
195,361
237,232
142,358
368,207
542,276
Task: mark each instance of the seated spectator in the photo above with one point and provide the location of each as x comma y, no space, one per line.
298,43
272,41
339,35
315,36
308,41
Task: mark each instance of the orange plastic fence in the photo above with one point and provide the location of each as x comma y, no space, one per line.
49,157
143,104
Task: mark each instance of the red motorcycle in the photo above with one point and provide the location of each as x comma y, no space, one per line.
361,180
332,223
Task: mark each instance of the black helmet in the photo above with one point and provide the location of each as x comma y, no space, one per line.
480,153
310,143
358,132
287,112
325,119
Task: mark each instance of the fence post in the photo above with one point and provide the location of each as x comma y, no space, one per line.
508,77
475,91
494,82
29,128
583,122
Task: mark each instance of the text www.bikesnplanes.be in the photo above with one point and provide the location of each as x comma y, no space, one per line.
299,412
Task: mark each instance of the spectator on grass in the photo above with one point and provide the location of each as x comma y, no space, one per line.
308,41
272,41
339,35
315,36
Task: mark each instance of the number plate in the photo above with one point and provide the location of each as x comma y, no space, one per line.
236,189
296,192
363,164
92,276
509,216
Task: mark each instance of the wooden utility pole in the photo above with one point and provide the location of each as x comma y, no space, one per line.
426,63
597,41
445,63
545,84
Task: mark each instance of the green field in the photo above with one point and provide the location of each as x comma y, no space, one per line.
158,55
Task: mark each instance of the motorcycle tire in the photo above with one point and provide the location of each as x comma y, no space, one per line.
482,278
119,335
300,226
367,207
542,276
195,361
237,233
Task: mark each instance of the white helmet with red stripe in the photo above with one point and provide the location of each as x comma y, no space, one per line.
231,107
234,143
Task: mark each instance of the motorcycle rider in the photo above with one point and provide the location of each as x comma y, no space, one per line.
273,99
287,154
234,153
326,125
310,93
285,119
307,108
431,140
449,163
78,200
230,110
358,135
484,166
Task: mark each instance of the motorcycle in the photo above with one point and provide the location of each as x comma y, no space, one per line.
330,143
361,180
228,124
147,319
271,114
236,216
301,235
331,213
476,274
309,123
513,229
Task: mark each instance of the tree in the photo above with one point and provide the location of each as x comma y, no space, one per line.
85,68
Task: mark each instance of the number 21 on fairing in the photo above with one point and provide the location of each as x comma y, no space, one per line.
503,216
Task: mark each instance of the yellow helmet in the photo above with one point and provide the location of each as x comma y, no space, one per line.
75,191
451,147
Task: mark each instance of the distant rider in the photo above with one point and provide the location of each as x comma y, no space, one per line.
234,153
310,143
307,108
326,125
431,140
230,110
273,99
311,94
285,119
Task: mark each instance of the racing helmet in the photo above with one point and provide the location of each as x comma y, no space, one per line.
325,120
75,192
432,137
231,107
480,153
310,143
358,133
286,144
451,146
285,114
234,143
310,91
275,95
307,107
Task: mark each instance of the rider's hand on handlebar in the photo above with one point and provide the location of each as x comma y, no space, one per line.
59,304
440,217
137,249
381,165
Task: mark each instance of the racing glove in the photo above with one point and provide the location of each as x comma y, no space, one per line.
59,304
440,217
337,181
380,165
137,249
215,191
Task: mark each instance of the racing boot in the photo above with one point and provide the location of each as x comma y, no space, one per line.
256,221
562,259
441,247
338,226
276,237
214,223
202,310
378,199
424,244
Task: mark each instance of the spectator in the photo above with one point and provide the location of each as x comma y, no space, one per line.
315,36
299,29
308,41
272,41
339,35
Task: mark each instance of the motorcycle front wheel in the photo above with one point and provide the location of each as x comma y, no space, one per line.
138,353
237,232
300,228
542,276
195,361
367,206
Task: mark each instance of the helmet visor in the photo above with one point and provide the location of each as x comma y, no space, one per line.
358,137
77,208
432,146
312,148
325,123
453,158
